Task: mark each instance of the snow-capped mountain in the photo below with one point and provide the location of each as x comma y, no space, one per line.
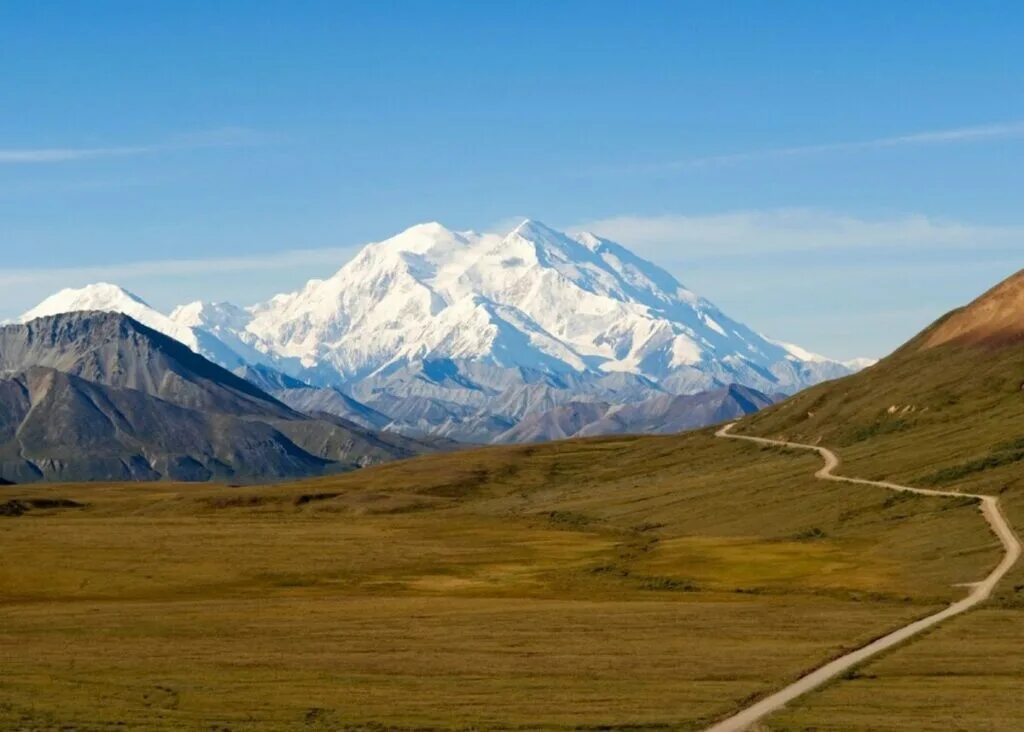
536,298
444,327
108,298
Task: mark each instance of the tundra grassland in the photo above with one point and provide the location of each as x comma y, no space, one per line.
626,582
948,417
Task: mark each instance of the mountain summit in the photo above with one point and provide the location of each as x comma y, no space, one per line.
107,298
535,298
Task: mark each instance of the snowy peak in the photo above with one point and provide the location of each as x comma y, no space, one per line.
538,233
534,297
210,330
641,275
859,364
108,298
552,248
201,314
101,296
428,251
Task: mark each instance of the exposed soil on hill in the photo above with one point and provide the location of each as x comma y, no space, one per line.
995,318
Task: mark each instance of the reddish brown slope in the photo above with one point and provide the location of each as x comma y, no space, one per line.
997,317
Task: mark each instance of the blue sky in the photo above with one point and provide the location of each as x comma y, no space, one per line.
835,174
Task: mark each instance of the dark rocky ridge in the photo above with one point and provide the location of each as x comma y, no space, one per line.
99,396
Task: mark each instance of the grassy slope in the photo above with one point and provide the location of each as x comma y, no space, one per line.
952,417
608,582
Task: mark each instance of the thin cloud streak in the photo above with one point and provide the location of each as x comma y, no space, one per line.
331,256
780,231
227,137
1002,131
660,238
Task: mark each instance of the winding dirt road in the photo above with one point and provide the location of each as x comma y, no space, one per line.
980,591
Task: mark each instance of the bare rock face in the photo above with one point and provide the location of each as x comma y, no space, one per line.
99,396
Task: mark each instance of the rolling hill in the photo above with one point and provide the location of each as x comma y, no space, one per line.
945,409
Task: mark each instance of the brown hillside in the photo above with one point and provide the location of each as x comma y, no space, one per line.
997,317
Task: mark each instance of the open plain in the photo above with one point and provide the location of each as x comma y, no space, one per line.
619,582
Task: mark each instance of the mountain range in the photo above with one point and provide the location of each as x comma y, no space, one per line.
464,335
659,415
100,396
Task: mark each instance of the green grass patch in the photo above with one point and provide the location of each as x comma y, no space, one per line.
960,471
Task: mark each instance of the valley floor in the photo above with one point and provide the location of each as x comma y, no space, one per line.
965,675
619,582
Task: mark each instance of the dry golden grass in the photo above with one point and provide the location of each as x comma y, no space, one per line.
951,416
965,675
644,582
436,661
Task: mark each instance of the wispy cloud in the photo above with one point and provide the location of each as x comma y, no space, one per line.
225,137
779,231
167,269
667,238
979,133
